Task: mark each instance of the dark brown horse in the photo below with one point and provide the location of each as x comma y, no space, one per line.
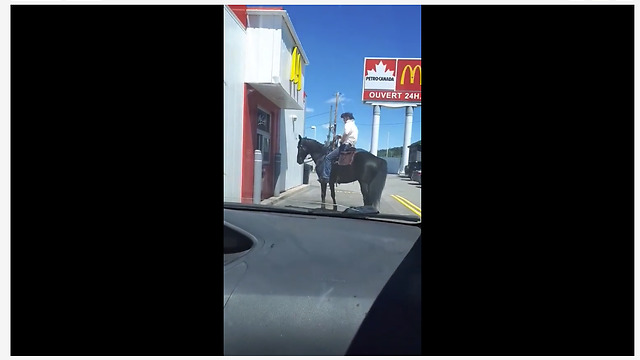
369,170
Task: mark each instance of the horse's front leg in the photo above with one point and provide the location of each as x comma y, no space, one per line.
333,195
323,193
364,188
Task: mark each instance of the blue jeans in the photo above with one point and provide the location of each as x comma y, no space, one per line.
330,158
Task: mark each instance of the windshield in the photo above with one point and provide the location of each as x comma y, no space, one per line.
324,118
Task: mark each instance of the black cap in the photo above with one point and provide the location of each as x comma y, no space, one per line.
347,115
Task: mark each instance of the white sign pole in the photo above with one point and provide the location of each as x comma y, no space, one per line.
374,130
408,121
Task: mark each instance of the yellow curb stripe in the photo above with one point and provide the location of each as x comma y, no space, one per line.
407,205
416,210
415,207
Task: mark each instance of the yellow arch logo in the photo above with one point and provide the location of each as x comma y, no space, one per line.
412,74
296,68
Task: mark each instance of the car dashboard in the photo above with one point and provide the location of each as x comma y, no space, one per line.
302,284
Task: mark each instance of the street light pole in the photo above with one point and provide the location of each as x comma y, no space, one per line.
314,132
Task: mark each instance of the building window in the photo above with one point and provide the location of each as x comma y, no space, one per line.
263,142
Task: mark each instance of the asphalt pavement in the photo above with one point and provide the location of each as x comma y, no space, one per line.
400,196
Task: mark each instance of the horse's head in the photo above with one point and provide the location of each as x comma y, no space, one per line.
303,150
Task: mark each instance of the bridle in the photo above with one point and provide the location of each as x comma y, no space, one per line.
301,147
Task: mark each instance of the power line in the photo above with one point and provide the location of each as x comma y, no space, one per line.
309,117
381,124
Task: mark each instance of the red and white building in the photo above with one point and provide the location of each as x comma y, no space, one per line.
264,100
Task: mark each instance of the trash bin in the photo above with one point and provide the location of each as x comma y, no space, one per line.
305,174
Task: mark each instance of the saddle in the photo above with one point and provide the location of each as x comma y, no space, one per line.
346,157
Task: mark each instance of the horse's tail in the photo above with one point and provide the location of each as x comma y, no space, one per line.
377,184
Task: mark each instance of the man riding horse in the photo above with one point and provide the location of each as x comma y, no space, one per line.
347,142
361,166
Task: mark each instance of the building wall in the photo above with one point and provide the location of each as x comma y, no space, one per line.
393,164
254,101
258,50
234,48
291,172
269,48
241,13
286,49
263,36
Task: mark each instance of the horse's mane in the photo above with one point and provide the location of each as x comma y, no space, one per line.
316,144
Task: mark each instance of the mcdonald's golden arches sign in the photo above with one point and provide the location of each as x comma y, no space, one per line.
296,68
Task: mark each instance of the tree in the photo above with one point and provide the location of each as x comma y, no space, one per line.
394,152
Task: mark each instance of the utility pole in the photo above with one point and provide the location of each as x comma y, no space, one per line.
335,119
329,133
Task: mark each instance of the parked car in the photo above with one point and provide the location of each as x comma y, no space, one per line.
417,176
411,167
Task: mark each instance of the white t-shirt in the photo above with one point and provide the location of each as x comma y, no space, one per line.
350,133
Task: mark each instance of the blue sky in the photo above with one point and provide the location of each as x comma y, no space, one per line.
336,39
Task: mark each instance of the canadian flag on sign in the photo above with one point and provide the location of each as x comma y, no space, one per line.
380,74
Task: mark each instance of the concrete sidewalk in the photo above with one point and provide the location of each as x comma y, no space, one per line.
283,195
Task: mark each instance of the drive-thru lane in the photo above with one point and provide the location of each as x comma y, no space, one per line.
400,196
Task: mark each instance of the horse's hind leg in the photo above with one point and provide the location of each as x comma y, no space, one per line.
333,195
364,188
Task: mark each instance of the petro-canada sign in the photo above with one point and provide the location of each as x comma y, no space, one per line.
392,80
